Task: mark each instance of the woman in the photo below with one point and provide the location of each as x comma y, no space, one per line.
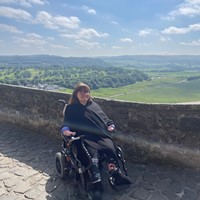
83,116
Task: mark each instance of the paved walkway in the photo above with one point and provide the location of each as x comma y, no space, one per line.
27,171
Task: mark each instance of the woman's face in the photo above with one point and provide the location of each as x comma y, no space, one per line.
83,96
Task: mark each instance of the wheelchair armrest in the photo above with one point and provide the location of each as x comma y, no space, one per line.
72,138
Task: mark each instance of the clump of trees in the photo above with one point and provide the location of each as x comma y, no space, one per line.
96,77
193,78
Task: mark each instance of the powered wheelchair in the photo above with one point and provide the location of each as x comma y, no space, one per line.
75,161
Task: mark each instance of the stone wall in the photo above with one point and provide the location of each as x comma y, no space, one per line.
167,133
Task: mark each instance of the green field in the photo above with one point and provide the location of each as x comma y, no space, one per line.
163,88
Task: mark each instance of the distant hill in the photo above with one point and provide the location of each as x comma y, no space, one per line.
157,62
46,60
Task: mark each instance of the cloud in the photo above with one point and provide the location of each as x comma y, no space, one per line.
59,46
8,28
51,38
85,34
164,39
13,13
31,39
116,47
193,43
25,3
34,35
175,30
115,23
194,27
88,45
89,10
70,36
189,8
39,2
146,44
126,40
89,33
145,32
57,22
67,22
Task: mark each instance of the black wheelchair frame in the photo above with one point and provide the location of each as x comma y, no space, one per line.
68,163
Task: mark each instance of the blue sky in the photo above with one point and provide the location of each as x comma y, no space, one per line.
99,27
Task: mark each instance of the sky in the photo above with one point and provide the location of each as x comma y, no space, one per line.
92,28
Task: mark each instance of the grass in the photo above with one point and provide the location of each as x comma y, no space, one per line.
163,88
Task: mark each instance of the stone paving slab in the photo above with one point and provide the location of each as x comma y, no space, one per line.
27,171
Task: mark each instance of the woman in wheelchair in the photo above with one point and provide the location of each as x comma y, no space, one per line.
83,116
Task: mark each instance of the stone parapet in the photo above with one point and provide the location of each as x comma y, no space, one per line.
147,132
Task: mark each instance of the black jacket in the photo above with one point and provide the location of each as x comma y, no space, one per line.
88,120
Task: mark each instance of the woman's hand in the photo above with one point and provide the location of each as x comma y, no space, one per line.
111,127
69,133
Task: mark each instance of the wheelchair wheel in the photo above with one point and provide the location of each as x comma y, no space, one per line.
60,164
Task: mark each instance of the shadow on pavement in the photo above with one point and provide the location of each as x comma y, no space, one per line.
27,171
33,160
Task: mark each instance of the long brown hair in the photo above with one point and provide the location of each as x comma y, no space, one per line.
78,87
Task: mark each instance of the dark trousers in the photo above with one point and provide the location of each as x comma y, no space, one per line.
107,150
